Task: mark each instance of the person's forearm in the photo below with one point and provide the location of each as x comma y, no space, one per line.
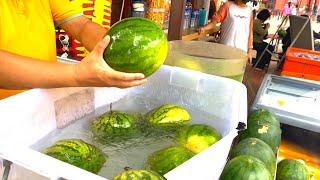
212,26
86,31
19,72
91,34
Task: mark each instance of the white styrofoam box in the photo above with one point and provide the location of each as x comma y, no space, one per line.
28,117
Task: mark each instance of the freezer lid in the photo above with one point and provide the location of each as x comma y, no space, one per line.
295,101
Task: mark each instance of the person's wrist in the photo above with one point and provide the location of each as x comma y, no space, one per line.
75,75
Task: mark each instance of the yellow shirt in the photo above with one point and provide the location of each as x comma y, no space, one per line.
27,28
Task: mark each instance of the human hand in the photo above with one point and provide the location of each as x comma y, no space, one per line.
94,71
201,30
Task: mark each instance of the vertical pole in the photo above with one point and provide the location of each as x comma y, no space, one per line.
176,19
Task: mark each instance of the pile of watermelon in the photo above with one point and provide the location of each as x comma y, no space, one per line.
254,157
189,140
255,154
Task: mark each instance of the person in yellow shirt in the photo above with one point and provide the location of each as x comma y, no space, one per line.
28,54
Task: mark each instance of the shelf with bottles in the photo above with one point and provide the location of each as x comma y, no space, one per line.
195,15
156,10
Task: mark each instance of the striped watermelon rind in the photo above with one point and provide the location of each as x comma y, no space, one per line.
168,115
197,137
165,160
138,45
245,167
114,124
258,149
263,116
138,175
266,132
78,153
292,169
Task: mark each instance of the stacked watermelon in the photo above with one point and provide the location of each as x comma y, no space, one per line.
255,155
289,169
263,125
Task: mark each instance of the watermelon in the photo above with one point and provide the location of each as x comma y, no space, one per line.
289,169
168,115
137,45
270,134
77,153
263,116
165,160
138,175
114,124
197,137
258,149
245,167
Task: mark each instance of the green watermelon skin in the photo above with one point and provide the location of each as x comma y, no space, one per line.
289,169
165,160
114,124
138,45
245,167
77,153
258,149
268,133
263,116
138,175
168,115
197,137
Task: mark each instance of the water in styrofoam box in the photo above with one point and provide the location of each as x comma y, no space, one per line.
133,152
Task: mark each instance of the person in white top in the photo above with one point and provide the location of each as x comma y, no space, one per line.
236,25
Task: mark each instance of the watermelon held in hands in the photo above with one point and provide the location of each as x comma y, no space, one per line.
258,149
138,175
289,169
168,115
263,116
114,124
77,153
165,160
197,137
245,167
138,45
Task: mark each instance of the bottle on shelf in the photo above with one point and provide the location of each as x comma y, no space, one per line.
194,19
187,14
202,17
138,8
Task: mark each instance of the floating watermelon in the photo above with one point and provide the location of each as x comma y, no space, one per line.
78,153
263,116
266,132
137,45
165,160
114,124
289,169
197,137
245,167
258,149
138,175
168,115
